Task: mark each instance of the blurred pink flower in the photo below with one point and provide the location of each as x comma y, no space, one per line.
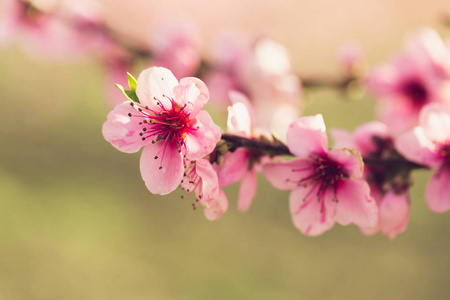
350,55
372,140
419,75
201,178
228,55
53,28
272,86
429,144
264,73
169,122
175,45
326,185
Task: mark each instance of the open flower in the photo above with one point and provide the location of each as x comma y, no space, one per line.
201,178
390,192
429,144
417,76
169,123
326,185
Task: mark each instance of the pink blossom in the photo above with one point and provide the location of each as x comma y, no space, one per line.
176,46
419,75
272,86
326,185
350,56
373,141
241,164
53,28
200,178
263,71
229,53
429,144
169,123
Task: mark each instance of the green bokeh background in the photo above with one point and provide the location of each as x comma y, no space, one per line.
76,221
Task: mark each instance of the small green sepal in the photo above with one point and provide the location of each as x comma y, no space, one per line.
131,82
131,95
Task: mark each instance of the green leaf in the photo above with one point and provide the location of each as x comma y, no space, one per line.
131,82
131,95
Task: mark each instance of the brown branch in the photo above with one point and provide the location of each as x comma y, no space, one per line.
278,148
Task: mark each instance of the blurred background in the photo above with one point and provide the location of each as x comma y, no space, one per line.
77,222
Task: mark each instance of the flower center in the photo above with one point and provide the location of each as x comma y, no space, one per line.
322,173
415,90
168,124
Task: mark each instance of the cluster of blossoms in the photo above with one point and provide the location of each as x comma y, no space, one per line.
363,180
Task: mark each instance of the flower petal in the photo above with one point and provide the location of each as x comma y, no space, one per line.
350,160
238,97
310,216
193,93
284,176
365,133
233,167
415,146
437,193
239,121
393,213
165,180
355,205
247,190
156,83
202,141
307,135
123,131
210,182
216,208
435,121
342,139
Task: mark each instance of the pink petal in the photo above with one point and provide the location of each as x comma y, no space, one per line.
192,92
282,175
239,121
435,121
210,182
238,97
429,51
397,112
216,208
415,146
156,82
355,205
233,167
122,131
202,141
165,180
247,190
307,135
382,80
364,134
350,160
437,193
393,213
311,217
342,139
